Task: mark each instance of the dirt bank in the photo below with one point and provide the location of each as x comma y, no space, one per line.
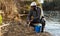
17,29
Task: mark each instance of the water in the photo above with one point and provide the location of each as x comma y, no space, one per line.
53,28
53,25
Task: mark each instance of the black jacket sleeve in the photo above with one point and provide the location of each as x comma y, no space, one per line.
29,15
38,10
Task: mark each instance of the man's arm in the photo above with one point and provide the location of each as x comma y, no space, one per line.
29,15
39,13
38,10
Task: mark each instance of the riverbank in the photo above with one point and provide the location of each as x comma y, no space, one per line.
18,29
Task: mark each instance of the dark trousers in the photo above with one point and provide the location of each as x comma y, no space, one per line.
37,21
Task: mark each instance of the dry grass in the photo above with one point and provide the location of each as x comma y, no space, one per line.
10,10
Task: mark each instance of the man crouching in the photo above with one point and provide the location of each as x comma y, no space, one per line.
34,16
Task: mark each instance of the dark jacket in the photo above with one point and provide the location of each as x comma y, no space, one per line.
35,13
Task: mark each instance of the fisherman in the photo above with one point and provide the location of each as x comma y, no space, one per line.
34,16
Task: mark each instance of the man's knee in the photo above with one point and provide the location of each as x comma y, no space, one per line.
43,22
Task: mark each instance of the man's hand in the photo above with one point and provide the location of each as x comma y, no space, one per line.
29,21
28,24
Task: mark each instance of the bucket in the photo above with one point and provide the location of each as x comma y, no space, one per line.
38,28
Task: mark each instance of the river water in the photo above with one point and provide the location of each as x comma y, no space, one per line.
53,24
